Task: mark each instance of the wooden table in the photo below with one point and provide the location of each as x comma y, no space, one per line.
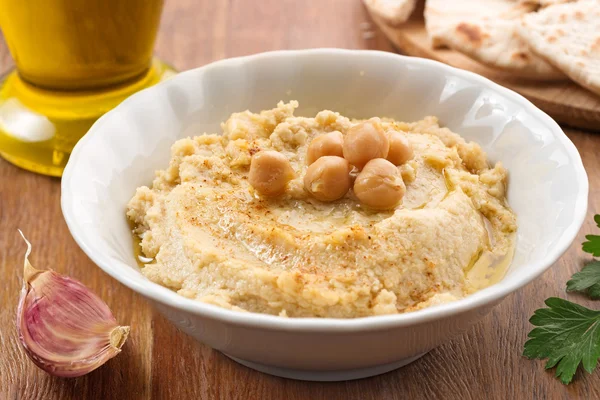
160,362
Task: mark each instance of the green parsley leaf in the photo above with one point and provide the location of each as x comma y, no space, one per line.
586,280
592,245
567,334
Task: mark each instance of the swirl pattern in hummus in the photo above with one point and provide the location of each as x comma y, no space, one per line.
213,239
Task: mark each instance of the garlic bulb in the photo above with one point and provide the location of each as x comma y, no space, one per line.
65,329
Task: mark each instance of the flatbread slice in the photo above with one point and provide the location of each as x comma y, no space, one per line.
442,16
487,32
394,12
568,36
547,3
496,43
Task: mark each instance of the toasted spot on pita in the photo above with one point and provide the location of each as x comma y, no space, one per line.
520,55
472,33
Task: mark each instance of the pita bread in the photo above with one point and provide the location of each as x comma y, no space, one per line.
546,3
488,34
394,12
568,36
442,16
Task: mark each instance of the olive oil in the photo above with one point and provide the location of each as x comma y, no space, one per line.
489,268
140,258
80,44
75,60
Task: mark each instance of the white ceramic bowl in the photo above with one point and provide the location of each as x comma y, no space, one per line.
548,191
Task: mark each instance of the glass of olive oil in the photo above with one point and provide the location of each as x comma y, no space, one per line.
75,60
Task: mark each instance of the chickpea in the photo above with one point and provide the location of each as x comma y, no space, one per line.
329,144
400,149
270,172
328,178
364,142
379,185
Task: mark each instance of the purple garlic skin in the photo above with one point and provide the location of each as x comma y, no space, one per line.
65,329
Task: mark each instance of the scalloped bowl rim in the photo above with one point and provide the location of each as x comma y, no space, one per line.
481,298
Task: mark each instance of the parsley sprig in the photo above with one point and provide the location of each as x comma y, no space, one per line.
566,333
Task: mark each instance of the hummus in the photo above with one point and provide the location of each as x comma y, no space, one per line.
206,234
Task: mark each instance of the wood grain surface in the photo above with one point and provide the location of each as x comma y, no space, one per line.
159,362
564,101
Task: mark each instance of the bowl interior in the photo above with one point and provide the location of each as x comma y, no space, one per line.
547,188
